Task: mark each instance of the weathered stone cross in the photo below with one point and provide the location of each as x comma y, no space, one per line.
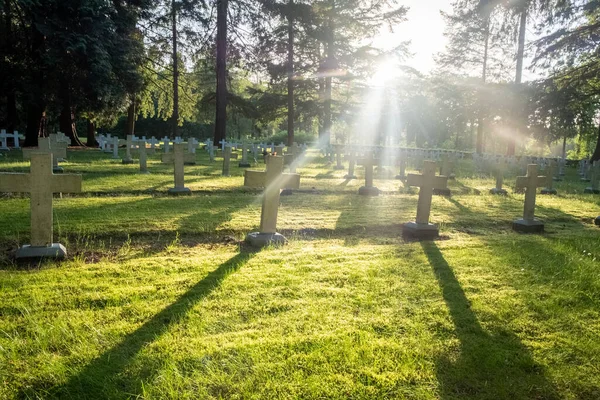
258,179
128,145
270,205
499,170
41,183
178,159
530,182
550,171
44,146
426,182
368,162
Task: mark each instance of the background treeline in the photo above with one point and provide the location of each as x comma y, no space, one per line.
301,70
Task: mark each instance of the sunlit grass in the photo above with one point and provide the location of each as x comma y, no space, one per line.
159,299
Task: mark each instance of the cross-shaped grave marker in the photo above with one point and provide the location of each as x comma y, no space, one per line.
351,157
427,182
550,171
166,143
41,183
339,151
530,183
188,158
369,161
499,169
402,164
594,179
192,145
177,158
128,145
45,147
258,179
226,160
274,182
143,156
244,162
3,140
59,141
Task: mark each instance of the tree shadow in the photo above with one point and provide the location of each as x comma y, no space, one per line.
108,376
489,365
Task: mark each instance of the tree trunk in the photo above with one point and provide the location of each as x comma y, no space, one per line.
596,155
330,62
479,148
564,148
9,86
221,114
36,105
66,120
512,141
290,66
175,116
91,134
130,128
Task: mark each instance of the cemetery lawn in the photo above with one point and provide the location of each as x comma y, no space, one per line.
160,298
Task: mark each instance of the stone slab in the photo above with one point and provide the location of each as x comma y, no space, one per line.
413,230
56,250
368,191
179,191
257,239
525,226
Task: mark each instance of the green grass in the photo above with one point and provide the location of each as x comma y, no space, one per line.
159,298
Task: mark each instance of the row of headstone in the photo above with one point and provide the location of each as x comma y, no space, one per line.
14,137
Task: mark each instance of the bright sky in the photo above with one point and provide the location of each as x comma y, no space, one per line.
424,29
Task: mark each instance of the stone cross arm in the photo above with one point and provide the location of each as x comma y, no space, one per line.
530,181
257,179
170,158
436,182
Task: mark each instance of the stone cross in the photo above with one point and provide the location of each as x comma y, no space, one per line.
143,156
267,233
44,146
499,170
446,168
550,171
530,182
41,183
178,161
279,150
351,157
295,157
3,140
128,146
226,160
153,143
368,162
166,143
59,141
188,158
223,143
426,182
192,144
15,137
244,163
115,147
594,179
339,150
402,164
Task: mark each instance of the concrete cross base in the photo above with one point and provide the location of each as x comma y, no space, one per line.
524,226
597,221
286,192
244,165
58,170
56,250
501,192
368,191
591,190
442,192
339,167
257,239
548,191
179,191
347,176
125,161
414,230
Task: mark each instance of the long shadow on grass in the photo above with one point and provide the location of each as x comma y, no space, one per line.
488,366
107,376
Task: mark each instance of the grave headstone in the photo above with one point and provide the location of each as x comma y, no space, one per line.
530,182
499,170
368,162
244,162
178,161
427,183
41,183
226,160
339,151
143,156
594,179
267,233
128,145
45,147
3,140
550,171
